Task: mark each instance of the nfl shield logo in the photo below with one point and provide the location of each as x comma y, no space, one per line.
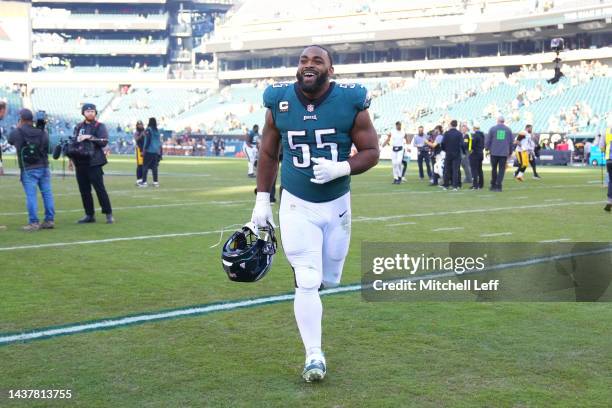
310,108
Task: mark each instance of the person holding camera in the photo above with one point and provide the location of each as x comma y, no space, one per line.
85,151
152,153
32,146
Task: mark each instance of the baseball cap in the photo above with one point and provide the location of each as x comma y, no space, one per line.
26,114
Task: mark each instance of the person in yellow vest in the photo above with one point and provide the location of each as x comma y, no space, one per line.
606,146
522,154
139,144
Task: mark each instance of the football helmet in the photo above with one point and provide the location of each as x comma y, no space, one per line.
247,255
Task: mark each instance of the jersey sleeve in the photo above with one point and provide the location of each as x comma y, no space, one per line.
269,97
362,98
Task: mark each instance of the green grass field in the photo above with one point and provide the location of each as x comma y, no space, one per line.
391,354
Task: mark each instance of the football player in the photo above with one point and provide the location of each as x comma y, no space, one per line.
398,139
250,149
522,155
315,121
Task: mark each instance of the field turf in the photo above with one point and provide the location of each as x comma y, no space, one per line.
391,354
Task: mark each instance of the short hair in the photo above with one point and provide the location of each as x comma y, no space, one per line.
398,123
501,119
331,60
453,123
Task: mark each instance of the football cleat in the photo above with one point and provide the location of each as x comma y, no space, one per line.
314,368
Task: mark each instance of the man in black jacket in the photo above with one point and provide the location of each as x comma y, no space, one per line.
89,171
32,147
452,144
475,148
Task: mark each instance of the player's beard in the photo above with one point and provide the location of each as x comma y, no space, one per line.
314,87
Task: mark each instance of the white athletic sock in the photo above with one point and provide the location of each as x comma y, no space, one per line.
308,315
251,168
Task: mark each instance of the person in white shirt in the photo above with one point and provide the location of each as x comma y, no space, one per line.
398,139
533,149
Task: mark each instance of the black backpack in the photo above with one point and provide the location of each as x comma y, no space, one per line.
31,150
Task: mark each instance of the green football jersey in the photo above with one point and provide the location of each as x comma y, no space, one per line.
319,128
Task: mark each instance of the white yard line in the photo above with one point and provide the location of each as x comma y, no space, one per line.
447,229
400,224
495,234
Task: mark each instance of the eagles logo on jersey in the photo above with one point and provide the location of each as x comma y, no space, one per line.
314,128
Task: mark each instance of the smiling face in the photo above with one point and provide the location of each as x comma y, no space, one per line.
314,69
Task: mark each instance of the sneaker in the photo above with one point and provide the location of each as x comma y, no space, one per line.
608,207
141,184
473,188
314,368
455,189
34,226
87,219
537,177
404,179
251,175
155,184
110,219
138,182
47,225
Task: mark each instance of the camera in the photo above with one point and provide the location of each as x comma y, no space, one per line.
40,120
60,149
557,44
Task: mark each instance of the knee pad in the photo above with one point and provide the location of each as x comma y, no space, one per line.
307,278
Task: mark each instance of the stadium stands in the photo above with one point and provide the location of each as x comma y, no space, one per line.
580,103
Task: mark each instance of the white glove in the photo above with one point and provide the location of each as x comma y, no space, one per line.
262,213
328,170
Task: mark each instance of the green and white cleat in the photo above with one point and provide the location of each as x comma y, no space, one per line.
314,368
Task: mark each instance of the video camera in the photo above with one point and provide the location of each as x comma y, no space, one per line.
557,45
60,149
40,121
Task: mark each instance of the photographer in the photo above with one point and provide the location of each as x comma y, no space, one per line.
90,137
32,145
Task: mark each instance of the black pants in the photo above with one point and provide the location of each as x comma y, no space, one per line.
532,162
424,157
151,161
498,169
451,170
92,176
476,167
139,172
